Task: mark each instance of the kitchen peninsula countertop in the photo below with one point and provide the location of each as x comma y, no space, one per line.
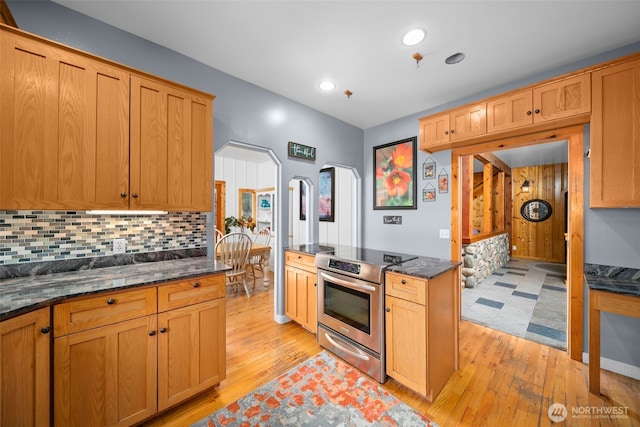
23,294
620,280
424,267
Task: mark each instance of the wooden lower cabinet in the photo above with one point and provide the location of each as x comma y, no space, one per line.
106,376
301,289
164,345
422,320
25,347
191,351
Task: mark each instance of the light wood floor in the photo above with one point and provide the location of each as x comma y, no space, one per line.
503,380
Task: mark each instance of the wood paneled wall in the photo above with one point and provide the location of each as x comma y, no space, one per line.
541,240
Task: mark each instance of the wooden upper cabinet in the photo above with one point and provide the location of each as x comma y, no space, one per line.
563,98
171,147
69,140
468,121
510,111
434,131
439,131
64,139
615,137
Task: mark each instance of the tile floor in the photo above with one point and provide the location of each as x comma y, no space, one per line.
521,300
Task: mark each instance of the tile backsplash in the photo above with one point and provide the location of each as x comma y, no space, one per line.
33,236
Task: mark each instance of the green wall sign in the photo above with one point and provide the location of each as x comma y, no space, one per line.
302,151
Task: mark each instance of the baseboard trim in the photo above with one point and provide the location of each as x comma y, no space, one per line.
615,366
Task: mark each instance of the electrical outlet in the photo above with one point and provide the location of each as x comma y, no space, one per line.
119,246
444,233
514,248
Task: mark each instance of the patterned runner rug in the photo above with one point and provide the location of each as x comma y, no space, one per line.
322,391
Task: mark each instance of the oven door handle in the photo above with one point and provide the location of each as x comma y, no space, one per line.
347,284
346,350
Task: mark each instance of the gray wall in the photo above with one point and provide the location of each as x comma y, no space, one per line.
242,111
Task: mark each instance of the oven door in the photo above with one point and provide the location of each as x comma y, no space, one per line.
351,307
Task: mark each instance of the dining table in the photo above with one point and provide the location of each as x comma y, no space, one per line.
260,250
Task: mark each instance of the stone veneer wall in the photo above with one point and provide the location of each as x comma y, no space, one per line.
481,259
34,236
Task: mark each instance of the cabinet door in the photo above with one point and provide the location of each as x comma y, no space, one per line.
60,113
301,297
406,343
509,112
565,98
615,137
434,131
171,148
24,369
106,376
191,351
468,121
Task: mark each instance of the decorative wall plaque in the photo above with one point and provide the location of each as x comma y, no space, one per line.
535,210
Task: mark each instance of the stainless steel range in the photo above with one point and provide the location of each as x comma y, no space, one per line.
351,305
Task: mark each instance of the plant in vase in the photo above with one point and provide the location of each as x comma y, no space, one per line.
242,223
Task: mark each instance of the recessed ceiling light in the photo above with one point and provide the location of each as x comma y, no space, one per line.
327,85
455,58
413,37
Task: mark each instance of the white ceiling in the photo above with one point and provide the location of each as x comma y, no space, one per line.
289,46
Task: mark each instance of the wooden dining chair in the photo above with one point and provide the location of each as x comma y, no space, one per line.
219,234
233,249
263,237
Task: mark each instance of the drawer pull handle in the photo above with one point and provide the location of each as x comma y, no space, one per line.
196,285
45,330
163,330
111,301
404,282
152,333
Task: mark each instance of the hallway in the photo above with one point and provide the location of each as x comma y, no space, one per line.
522,300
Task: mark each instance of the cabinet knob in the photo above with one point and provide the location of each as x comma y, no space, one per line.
111,301
387,309
196,285
529,113
537,111
446,132
45,330
453,131
404,282
163,330
134,195
123,194
152,333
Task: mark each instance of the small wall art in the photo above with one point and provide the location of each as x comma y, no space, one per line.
429,168
429,193
443,182
394,185
326,188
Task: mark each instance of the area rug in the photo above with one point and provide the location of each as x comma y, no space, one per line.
322,391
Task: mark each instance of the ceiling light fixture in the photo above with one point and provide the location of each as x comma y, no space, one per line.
327,85
418,58
414,37
348,93
455,58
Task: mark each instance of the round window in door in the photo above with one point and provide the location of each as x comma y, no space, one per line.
535,210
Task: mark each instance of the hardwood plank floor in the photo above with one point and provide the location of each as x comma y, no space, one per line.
503,380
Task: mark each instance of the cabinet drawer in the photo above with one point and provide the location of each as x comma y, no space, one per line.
304,261
192,291
106,309
406,287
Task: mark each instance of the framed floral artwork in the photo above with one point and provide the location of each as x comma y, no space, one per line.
394,185
326,187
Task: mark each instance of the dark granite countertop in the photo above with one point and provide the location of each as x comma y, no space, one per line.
424,267
621,280
310,248
23,294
